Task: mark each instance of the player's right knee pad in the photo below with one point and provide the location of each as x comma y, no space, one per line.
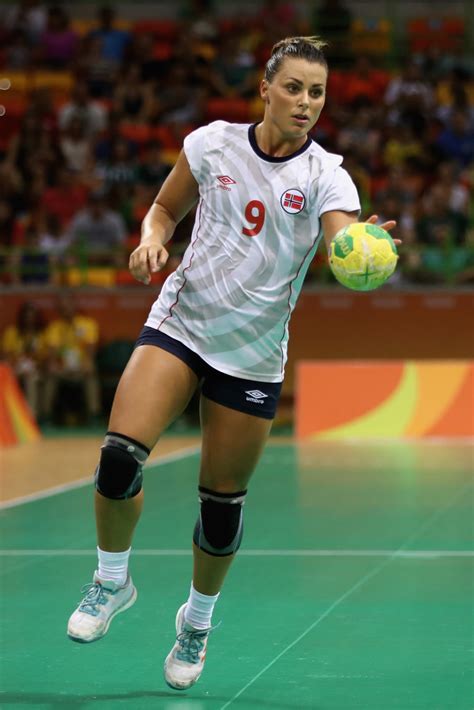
119,473
219,528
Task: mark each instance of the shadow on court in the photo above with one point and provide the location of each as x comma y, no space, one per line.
168,700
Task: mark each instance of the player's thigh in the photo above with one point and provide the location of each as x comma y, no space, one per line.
232,443
154,389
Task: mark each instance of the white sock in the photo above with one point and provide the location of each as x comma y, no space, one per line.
199,608
113,565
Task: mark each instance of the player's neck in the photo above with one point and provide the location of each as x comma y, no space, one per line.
273,143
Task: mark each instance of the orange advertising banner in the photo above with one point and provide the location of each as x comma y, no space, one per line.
17,424
384,399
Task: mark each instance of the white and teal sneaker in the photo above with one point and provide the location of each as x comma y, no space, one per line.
185,662
103,600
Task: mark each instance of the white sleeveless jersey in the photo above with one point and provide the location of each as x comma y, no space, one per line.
257,229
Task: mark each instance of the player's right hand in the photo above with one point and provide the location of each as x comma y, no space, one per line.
147,259
386,225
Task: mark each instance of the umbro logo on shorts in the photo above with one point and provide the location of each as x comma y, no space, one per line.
255,396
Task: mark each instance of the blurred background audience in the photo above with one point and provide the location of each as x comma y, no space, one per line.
71,385
100,99
102,102
23,347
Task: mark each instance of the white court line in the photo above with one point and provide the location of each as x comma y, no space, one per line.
350,591
56,490
404,554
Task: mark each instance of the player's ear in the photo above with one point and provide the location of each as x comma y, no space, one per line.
264,90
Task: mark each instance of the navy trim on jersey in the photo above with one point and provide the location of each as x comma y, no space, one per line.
271,158
185,278
290,293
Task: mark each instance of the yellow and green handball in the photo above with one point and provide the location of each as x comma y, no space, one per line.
362,256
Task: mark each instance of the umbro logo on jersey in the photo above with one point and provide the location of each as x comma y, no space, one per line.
293,201
225,181
255,396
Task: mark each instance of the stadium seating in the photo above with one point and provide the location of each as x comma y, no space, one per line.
101,276
15,107
426,33
227,109
59,83
139,133
160,29
20,82
371,37
82,26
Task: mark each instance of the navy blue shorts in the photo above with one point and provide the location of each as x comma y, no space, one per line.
249,396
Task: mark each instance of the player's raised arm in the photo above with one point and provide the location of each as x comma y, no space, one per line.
333,221
178,194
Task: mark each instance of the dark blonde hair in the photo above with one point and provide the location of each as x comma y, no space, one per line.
309,48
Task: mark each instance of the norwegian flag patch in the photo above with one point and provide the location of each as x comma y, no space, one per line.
293,201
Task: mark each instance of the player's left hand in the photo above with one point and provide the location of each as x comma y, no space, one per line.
386,225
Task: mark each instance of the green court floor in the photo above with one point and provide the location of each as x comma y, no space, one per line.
354,589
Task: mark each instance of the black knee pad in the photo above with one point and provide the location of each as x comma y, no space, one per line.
119,473
219,528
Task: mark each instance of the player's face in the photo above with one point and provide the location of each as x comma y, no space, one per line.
295,97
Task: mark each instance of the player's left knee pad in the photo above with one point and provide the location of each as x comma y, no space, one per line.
219,528
119,473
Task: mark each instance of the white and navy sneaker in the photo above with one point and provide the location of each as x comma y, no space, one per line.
185,662
103,600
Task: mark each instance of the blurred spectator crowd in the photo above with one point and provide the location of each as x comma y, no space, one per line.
55,363
96,112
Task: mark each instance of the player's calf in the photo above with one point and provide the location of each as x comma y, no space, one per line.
118,477
218,532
